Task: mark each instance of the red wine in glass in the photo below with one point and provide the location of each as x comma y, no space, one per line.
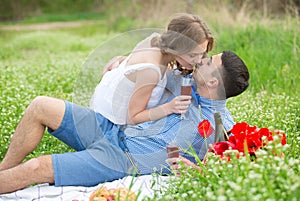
186,88
173,151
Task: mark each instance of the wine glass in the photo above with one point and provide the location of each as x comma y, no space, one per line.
173,151
186,88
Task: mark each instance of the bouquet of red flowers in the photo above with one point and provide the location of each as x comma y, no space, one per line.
244,138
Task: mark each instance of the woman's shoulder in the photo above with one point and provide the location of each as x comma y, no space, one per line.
146,55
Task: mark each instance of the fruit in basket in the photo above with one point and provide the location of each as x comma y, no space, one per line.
105,194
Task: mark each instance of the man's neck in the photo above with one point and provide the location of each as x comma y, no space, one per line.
208,93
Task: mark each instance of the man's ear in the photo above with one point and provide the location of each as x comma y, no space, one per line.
212,83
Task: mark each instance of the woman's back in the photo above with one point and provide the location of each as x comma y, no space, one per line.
112,94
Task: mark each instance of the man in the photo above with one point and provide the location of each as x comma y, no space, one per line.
220,77
104,151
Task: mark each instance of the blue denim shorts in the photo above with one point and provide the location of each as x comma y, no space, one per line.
98,157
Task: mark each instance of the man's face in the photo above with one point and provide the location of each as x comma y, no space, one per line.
203,72
190,59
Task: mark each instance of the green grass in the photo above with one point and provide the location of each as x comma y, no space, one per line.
48,63
271,55
269,177
62,17
57,17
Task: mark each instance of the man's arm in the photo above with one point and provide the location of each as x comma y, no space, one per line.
113,63
175,163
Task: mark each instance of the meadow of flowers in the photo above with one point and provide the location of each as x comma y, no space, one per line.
34,62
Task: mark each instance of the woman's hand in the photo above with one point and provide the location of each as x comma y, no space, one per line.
179,104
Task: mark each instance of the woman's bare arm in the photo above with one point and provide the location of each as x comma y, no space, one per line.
145,82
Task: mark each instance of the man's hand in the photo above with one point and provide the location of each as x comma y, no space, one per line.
113,63
175,164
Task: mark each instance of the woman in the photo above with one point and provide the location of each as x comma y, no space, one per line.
130,93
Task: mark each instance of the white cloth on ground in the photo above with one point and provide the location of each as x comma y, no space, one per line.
45,192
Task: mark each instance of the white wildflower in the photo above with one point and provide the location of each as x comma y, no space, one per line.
221,198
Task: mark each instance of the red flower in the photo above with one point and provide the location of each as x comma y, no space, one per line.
283,139
220,147
204,128
254,142
251,136
243,132
266,132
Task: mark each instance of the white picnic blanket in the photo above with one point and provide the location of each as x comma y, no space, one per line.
145,185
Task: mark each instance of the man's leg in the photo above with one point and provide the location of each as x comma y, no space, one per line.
42,111
37,170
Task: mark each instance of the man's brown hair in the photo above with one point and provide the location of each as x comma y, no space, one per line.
235,74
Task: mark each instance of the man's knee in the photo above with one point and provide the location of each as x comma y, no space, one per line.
47,110
42,168
33,164
40,163
38,105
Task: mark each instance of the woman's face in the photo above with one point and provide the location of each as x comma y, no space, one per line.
190,59
203,72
